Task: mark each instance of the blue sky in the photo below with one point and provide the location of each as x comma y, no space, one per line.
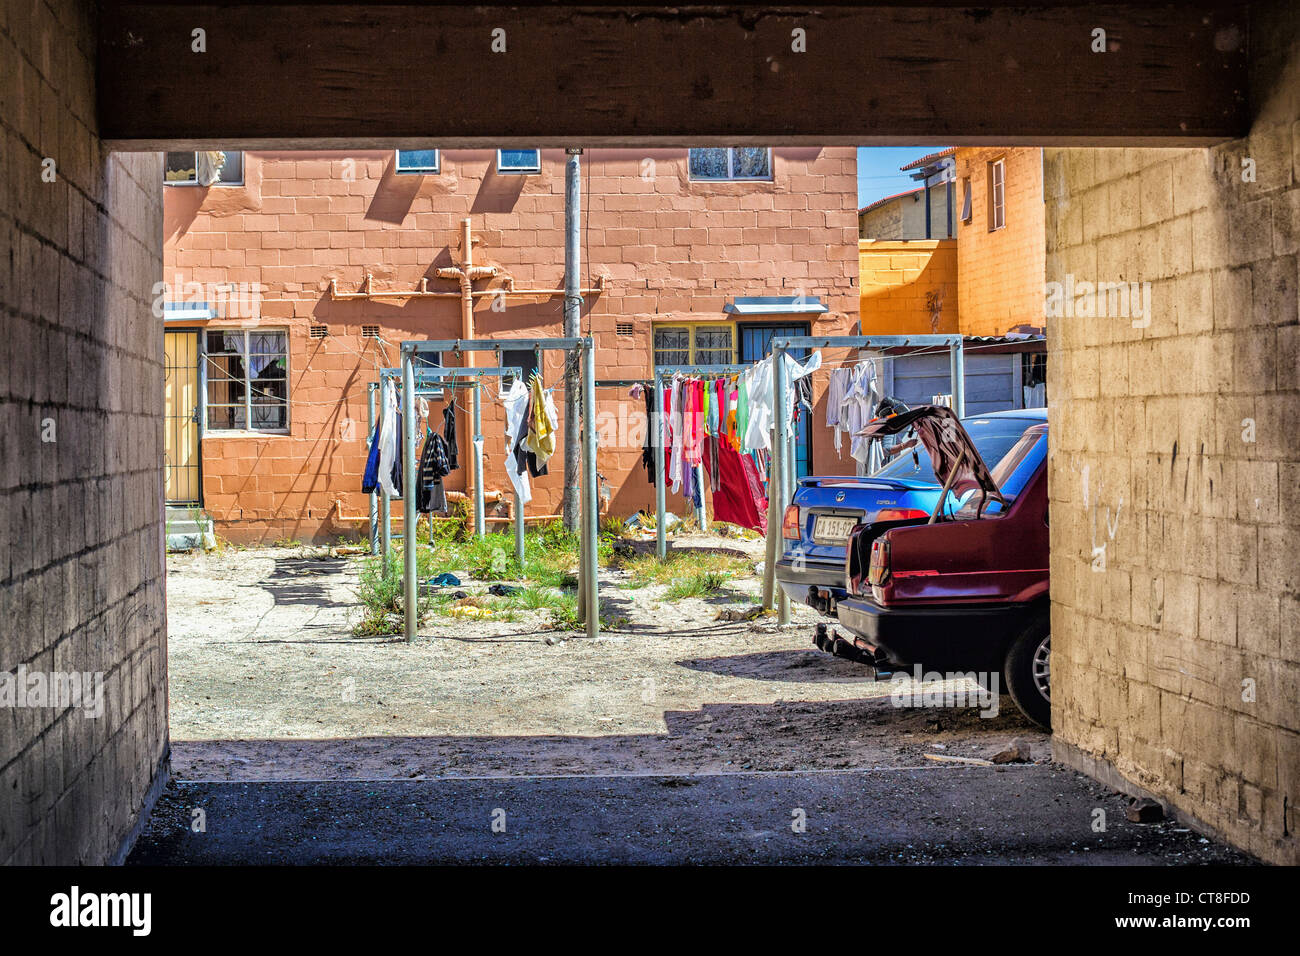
878,174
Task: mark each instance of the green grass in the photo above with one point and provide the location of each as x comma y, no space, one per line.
697,584
646,569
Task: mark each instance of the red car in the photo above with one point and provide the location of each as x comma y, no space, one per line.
962,590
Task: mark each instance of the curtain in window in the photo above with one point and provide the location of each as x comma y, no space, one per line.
208,165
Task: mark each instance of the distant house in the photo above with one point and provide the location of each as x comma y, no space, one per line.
294,275
978,270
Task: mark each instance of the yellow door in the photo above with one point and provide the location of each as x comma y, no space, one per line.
180,408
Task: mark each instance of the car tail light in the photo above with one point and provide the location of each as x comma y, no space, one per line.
879,569
900,514
790,523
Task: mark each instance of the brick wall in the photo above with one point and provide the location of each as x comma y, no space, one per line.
1175,460
82,559
1000,271
670,249
896,279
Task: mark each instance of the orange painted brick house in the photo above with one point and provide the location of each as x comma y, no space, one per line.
986,281
697,255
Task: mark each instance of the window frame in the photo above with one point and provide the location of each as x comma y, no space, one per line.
693,348
210,430
997,194
434,170
519,170
967,199
731,177
195,182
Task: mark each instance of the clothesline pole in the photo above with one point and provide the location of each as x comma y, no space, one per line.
385,503
780,474
519,529
589,490
374,497
957,370
773,521
661,504
700,519
476,439
409,515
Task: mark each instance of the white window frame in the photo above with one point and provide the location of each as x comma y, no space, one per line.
731,177
967,199
997,194
520,170
434,170
195,182
215,432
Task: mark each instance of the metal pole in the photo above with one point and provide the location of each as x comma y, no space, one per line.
661,505
590,503
572,326
773,524
480,521
374,496
957,363
409,515
519,528
385,505
699,485
780,473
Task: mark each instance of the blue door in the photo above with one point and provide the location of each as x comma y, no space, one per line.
755,342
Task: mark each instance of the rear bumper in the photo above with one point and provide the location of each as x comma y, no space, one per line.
819,584
941,637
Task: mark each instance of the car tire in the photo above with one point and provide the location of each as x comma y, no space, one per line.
1028,672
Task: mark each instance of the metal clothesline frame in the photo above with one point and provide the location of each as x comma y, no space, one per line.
661,493
434,381
781,486
588,590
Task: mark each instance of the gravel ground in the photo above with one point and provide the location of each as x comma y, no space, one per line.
268,683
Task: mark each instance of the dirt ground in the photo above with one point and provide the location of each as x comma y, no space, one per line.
267,682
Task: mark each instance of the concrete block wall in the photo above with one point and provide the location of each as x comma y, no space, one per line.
896,279
672,249
81,572
1000,271
1175,456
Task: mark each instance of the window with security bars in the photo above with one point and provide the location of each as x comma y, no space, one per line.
695,345
731,163
247,375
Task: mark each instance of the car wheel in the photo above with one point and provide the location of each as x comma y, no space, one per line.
1028,672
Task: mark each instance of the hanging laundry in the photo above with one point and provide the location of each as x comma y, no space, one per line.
515,399
370,478
542,422
675,426
651,431
737,488
449,434
390,458
434,466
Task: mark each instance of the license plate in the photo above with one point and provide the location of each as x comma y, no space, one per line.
833,528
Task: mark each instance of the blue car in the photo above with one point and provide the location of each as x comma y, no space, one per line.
825,509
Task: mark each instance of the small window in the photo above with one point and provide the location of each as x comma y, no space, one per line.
370,331
247,375
997,194
521,161
525,359
422,162
694,345
966,200
624,328
208,168
672,346
319,331
731,163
